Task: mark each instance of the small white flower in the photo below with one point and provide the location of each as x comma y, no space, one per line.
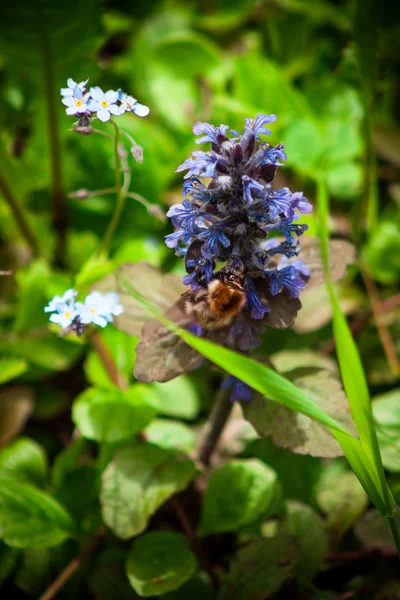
65,314
69,91
77,103
99,308
67,298
103,103
130,104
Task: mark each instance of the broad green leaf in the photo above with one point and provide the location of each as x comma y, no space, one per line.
308,528
159,562
386,410
297,432
341,497
139,479
167,433
11,368
228,505
94,269
186,52
30,518
68,460
291,360
51,353
260,568
178,398
24,459
382,252
297,474
16,406
113,415
78,493
32,298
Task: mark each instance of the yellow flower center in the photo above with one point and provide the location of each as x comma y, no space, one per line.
78,103
92,310
68,314
104,103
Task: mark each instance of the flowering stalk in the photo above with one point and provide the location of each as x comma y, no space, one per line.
119,195
86,105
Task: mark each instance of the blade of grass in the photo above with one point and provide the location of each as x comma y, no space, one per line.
277,388
352,371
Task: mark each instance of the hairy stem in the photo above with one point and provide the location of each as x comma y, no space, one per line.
19,217
120,195
216,424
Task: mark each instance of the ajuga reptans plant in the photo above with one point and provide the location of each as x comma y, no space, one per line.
239,228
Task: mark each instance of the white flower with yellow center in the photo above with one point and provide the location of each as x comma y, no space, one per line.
63,309
77,103
99,308
103,103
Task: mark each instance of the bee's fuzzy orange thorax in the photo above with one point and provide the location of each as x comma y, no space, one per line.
225,300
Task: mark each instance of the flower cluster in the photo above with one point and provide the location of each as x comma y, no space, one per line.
97,308
241,222
96,102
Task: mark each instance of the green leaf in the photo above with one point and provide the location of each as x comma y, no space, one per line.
113,415
228,505
159,562
51,353
78,492
178,398
171,434
94,269
68,460
16,406
138,480
186,52
382,253
259,569
11,368
297,432
32,298
24,459
364,459
30,518
386,410
297,473
341,497
306,525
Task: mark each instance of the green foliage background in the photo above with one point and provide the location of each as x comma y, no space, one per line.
84,464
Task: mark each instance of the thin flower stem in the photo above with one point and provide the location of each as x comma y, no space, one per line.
19,217
120,195
217,422
107,135
70,569
108,362
383,331
89,194
139,198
